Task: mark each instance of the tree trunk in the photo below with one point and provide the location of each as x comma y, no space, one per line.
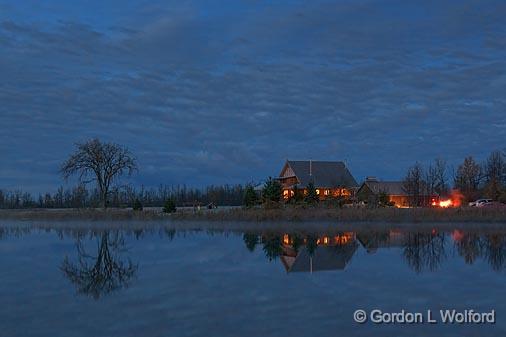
104,200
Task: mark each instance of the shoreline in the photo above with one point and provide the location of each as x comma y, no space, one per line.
259,217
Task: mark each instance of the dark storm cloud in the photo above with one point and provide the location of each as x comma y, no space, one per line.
206,94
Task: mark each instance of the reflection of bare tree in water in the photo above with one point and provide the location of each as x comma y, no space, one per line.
100,274
469,247
424,251
494,250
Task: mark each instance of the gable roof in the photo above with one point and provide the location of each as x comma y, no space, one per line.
321,173
388,187
324,258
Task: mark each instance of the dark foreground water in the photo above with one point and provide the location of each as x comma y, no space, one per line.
162,282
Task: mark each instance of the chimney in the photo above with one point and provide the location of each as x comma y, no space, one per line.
371,178
310,167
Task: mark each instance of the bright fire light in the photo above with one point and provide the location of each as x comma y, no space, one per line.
446,203
455,200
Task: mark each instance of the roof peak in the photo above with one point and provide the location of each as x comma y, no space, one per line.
316,161
321,172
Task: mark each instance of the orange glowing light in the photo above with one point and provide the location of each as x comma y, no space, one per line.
458,235
341,239
446,203
455,200
286,239
285,194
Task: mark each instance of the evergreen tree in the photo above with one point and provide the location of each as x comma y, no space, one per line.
272,190
169,206
298,195
137,206
250,197
384,199
311,196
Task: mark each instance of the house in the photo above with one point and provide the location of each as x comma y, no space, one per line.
371,189
330,178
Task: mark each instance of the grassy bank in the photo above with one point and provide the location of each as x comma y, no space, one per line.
288,214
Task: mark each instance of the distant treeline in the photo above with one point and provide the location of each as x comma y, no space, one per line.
81,197
471,178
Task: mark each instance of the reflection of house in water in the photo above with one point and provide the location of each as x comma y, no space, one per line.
371,241
319,253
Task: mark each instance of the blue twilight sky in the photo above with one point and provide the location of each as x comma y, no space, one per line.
210,92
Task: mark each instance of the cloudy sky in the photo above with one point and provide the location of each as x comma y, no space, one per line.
210,92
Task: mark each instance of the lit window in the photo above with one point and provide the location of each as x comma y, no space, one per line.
327,192
317,191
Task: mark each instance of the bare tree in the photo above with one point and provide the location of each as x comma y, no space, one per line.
494,173
440,172
468,178
99,162
415,185
436,177
430,178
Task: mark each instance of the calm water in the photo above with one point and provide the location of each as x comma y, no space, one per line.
163,282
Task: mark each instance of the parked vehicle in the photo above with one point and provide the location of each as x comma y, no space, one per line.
480,202
494,204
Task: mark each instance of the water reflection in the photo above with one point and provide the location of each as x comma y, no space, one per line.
250,240
424,251
495,250
103,272
490,247
312,253
101,262
421,251
272,246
